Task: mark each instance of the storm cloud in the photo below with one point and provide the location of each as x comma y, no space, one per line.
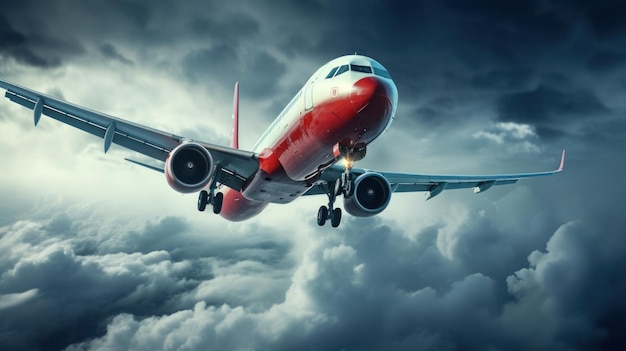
96,253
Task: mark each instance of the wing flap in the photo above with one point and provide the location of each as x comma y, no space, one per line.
417,187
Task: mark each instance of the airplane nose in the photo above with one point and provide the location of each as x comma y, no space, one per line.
367,89
373,102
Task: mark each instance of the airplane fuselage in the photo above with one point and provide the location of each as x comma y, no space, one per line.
348,102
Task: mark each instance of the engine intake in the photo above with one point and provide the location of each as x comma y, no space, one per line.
372,193
188,168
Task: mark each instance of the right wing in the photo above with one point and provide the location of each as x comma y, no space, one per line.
432,184
234,166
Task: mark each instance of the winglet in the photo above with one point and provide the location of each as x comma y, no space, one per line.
562,161
234,132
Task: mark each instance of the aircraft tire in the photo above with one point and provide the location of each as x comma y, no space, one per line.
322,216
336,218
218,199
203,200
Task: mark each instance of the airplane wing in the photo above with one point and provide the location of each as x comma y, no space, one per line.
234,166
432,184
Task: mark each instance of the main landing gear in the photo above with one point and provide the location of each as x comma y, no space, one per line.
350,152
343,186
326,213
210,197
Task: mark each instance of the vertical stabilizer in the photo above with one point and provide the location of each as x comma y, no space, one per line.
234,132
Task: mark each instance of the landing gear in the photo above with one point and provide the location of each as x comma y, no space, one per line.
210,197
324,214
343,186
350,151
334,214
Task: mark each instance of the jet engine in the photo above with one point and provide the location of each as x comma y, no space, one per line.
372,193
189,167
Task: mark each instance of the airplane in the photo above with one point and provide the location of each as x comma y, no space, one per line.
344,106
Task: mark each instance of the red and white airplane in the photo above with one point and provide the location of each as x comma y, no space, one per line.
344,106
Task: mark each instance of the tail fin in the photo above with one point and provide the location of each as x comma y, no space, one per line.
234,133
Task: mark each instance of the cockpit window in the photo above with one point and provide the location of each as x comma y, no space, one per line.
359,68
381,72
342,69
356,68
331,73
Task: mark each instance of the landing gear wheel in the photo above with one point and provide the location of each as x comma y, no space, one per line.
336,218
203,200
218,199
322,216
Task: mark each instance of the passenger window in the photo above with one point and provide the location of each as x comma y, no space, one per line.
342,69
331,73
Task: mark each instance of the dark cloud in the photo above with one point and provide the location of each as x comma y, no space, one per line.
26,50
258,73
575,267
606,20
606,61
138,12
8,36
509,80
230,28
546,107
60,269
111,52
363,290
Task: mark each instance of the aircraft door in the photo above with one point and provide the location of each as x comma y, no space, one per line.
308,95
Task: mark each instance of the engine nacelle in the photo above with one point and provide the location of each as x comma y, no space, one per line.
189,167
372,193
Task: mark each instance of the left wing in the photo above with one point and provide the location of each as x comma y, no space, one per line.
234,166
432,184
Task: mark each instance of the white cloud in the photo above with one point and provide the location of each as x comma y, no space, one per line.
514,136
15,299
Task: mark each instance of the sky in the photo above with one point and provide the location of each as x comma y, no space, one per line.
97,253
